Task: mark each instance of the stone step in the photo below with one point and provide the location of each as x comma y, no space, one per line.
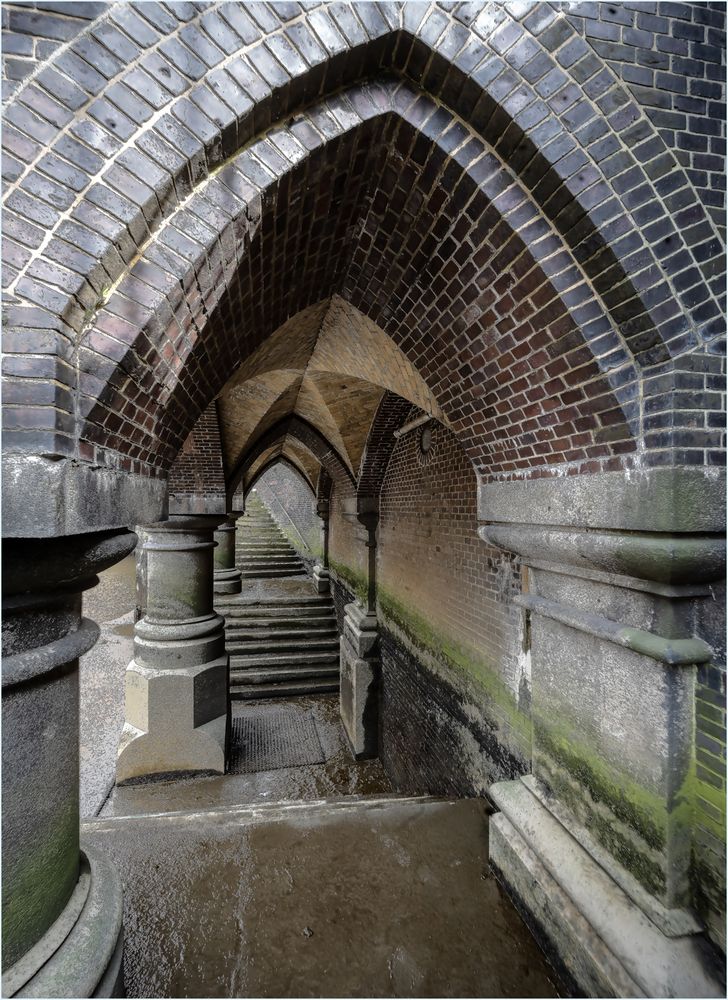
273,560
240,661
269,538
279,623
284,673
264,574
280,647
256,546
260,631
271,612
284,689
251,566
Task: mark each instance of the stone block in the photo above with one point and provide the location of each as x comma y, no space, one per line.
598,936
359,680
321,579
175,720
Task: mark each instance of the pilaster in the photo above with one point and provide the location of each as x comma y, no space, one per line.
359,644
596,844
321,579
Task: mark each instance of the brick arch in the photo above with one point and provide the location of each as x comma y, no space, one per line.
302,432
475,68
390,416
466,185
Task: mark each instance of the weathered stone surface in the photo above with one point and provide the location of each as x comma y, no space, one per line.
227,579
605,942
61,920
177,700
360,669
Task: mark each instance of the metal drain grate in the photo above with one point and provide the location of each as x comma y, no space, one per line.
272,738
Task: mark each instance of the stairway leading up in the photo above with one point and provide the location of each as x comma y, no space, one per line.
261,548
280,634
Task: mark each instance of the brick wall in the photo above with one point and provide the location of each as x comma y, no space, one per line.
290,500
672,58
347,554
456,690
197,477
31,32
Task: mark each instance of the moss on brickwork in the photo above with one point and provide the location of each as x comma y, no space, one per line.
352,579
415,632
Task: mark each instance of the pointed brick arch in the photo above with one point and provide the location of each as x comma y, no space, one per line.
149,195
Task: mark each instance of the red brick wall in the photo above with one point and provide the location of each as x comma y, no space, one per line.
456,689
197,477
347,554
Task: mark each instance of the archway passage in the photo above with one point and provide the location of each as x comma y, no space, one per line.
452,274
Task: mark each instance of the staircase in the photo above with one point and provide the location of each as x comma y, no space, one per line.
261,548
281,636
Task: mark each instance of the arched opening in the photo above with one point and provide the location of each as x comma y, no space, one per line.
435,282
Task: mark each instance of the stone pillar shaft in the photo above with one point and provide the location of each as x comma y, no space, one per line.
177,702
49,881
359,645
321,578
228,578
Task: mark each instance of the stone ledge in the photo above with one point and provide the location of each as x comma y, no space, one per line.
604,939
674,652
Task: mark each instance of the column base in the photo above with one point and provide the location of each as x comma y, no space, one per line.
176,721
321,580
585,922
359,683
227,581
80,955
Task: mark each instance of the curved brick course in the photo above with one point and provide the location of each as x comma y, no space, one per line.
137,136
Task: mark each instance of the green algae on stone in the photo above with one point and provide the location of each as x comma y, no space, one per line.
656,821
36,891
423,637
353,579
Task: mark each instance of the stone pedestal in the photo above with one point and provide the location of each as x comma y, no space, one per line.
359,679
177,702
62,905
227,577
596,844
321,579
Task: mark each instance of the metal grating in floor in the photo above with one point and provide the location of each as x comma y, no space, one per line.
272,737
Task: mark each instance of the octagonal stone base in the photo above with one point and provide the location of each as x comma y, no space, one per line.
176,720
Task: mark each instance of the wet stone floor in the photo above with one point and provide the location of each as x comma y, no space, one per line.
303,875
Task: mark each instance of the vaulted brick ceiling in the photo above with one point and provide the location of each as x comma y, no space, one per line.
329,365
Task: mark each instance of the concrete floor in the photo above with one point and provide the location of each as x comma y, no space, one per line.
339,775
374,898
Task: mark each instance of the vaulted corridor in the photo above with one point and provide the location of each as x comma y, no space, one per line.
372,355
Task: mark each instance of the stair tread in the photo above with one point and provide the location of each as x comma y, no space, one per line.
281,674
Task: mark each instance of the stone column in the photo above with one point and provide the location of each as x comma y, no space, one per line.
321,579
360,666
227,577
62,902
596,843
177,702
